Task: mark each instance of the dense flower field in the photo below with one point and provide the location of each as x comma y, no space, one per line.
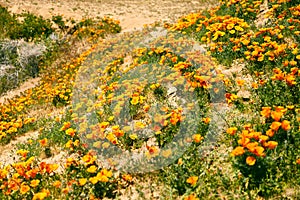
140,106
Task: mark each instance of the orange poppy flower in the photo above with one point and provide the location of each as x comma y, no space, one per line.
286,63
24,188
192,180
251,146
247,127
263,138
261,58
255,135
89,159
244,141
206,120
127,177
294,70
51,167
146,108
94,180
238,151
92,169
71,132
293,63
34,183
32,173
66,126
254,85
82,181
39,196
104,125
56,184
290,79
270,133
191,197
230,26
43,142
276,115
102,178
275,126
65,190
280,109
250,160
119,133
271,144
285,125
197,138
259,151
231,130
240,82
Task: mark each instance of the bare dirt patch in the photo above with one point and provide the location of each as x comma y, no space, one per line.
131,13
8,152
31,83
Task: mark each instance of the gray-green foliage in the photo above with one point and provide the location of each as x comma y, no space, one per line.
18,61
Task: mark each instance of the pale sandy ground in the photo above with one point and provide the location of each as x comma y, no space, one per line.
25,86
131,13
8,152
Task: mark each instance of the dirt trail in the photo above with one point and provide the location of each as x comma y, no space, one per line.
8,152
25,86
131,13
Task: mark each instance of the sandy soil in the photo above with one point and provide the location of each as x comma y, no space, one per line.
25,86
8,152
131,13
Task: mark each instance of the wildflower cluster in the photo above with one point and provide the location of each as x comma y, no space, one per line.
123,112
25,179
55,88
35,179
271,56
243,9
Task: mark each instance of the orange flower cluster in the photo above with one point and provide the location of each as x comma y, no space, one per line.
231,97
276,115
176,116
12,119
98,29
102,176
188,21
54,87
136,99
13,113
256,143
218,26
245,9
289,78
252,144
266,45
192,180
32,179
22,177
